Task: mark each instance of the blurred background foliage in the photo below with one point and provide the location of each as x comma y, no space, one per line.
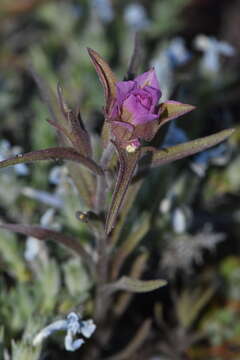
188,225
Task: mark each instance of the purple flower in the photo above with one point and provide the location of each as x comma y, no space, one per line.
132,110
137,100
135,105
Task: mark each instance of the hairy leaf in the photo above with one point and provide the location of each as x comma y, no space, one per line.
46,234
106,76
127,165
55,153
77,133
164,156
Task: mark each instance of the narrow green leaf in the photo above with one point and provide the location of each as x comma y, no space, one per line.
55,153
164,156
127,165
137,268
134,285
190,303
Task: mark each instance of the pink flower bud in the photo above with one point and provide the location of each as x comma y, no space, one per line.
136,104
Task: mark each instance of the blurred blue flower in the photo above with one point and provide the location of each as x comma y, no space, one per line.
166,61
73,325
207,155
104,10
212,50
135,16
177,52
174,136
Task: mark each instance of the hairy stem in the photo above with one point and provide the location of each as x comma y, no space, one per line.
100,201
101,303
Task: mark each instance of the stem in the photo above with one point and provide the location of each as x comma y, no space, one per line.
101,180
101,303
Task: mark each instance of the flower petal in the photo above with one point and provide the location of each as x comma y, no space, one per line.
133,110
143,119
155,94
148,78
123,89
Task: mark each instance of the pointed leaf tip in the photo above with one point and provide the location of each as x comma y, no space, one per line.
106,76
164,156
172,109
134,285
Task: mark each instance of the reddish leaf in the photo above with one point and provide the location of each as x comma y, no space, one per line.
77,134
41,233
106,76
54,153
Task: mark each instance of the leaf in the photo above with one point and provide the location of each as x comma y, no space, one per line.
173,109
77,134
55,153
61,115
190,303
127,165
85,183
129,245
106,76
164,156
42,233
137,268
134,285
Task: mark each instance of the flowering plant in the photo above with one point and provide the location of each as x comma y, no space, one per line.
133,116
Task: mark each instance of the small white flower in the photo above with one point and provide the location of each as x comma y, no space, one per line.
73,325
